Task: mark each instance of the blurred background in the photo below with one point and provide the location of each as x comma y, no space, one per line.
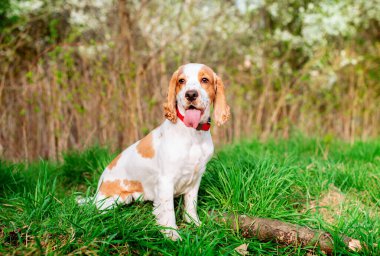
76,73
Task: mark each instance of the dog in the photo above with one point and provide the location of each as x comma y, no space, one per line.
171,159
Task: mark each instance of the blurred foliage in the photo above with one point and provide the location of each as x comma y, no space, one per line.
80,72
5,21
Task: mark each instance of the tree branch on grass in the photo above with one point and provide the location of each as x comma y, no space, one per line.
284,233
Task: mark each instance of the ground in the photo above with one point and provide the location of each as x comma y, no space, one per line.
323,184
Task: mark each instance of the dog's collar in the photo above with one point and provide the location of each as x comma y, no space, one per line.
200,127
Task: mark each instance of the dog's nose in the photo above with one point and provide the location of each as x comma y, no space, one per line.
191,95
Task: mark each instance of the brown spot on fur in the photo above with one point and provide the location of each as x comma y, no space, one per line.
170,111
116,188
221,109
180,75
206,72
133,185
180,86
114,162
145,146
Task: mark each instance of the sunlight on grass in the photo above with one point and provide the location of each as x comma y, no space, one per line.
294,181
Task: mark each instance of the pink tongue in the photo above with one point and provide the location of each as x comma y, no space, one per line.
192,118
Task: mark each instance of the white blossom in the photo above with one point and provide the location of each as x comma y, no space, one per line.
21,7
249,5
346,60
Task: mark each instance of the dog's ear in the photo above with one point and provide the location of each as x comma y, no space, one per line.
221,109
170,108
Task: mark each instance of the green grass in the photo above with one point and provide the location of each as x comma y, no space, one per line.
283,180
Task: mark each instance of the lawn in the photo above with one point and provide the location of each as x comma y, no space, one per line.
320,183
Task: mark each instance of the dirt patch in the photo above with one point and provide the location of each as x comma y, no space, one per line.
329,205
334,204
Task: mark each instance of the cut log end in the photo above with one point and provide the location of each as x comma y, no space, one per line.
354,245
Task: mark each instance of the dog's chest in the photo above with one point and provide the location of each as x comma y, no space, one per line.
192,167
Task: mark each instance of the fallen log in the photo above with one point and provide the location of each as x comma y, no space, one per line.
284,233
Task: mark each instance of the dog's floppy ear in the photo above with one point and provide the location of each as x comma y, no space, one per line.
221,109
170,108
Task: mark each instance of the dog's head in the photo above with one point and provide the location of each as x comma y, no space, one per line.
193,88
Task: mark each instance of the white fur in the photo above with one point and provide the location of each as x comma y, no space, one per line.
181,155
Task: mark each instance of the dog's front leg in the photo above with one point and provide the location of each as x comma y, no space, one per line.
164,208
191,198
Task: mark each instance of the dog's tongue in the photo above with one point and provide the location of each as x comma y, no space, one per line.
192,118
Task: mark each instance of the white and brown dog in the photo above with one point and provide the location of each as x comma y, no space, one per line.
171,159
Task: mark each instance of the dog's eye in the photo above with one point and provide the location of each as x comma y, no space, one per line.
181,81
204,80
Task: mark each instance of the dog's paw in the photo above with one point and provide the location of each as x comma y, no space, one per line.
193,219
172,234
197,223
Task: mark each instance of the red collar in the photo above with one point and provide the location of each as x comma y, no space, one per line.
200,127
